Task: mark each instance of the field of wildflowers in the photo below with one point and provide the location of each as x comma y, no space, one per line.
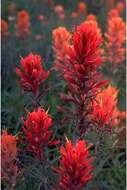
63,95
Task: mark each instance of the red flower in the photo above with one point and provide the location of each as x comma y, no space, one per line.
115,39
32,73
61,37
81,7
75,166
9,170
105,112
4,28
37,131
23,24
84,58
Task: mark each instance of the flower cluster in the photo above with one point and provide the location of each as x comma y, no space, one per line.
9,170
23,24
37,132
31,74
105,112
75,166
115,39
84,58
61,37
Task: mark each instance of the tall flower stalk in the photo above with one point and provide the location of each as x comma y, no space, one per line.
23,24
9,169
84,58
61,38
115,40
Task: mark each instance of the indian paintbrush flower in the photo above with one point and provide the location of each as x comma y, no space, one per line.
75,166
31,73
38,133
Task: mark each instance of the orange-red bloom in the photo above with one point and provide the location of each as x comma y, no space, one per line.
75,166
37,131
23,24
31,74
105,112
9,170
81,7
115,37
4,28
61,37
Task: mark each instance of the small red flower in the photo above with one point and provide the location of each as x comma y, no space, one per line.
23,24
105,111
115,40
9,170
4,28
31,74
37,131
81,7
61,37
75,166
59,9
